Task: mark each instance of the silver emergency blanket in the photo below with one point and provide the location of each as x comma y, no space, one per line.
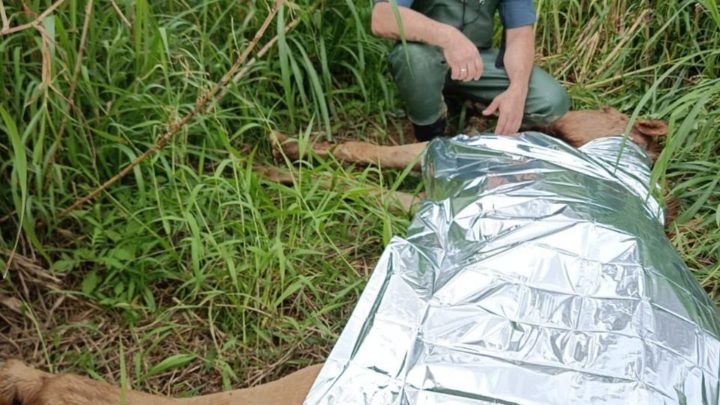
535,273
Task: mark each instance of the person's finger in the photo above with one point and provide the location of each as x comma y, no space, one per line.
454,71
459,72
510,124
462,73
468,72
454,68
516,125
492,108
511,127
499,124
501,127
472,71
478,68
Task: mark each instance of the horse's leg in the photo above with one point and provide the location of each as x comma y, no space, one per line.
395,157
22,385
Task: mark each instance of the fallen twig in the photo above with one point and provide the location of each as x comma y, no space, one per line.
175,127
7,30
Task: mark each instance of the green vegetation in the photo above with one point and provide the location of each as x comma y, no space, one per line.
194,273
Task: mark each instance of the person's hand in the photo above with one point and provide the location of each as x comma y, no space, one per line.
509,106
463,57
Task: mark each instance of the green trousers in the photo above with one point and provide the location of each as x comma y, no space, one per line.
423,78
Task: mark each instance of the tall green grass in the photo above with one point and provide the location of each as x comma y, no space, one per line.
194,262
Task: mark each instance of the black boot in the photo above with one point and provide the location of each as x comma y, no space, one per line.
425,133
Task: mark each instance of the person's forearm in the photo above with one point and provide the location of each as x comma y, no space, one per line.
519,57
415,26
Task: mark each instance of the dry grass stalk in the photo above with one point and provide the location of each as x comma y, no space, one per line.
3,17
120,14
46,57
7,30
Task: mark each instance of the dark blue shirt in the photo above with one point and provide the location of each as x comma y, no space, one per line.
513,13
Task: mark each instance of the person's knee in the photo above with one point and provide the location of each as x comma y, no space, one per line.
418,63
550,102
420,71
558,102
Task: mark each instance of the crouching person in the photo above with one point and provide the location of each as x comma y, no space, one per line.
449,52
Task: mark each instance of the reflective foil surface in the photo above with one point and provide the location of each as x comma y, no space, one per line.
535,273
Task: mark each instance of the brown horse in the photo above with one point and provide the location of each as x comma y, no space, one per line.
576,128
22,385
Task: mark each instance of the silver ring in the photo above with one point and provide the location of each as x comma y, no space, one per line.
463,70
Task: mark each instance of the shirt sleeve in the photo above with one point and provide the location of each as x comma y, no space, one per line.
516,13
400,3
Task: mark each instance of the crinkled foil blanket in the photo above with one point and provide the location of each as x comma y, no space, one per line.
535,273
